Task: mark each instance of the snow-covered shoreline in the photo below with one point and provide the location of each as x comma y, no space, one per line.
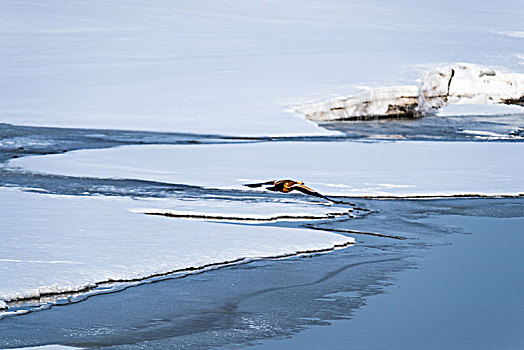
229,68
458,84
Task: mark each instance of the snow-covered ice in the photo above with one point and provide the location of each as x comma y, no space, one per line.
514,34
277,209
56,244
233,67
479,109
333,168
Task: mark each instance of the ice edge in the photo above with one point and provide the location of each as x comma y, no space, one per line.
223,217
91,286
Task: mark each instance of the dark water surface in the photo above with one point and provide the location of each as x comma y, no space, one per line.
435,128
469,295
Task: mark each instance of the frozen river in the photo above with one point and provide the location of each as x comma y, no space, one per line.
111,111
81,231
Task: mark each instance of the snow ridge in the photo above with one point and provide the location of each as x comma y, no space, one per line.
457,84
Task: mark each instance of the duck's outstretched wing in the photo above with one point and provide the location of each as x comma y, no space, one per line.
309,191
272,182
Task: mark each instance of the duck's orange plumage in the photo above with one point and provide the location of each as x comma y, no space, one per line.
286,186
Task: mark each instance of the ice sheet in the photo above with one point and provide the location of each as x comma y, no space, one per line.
480,109
230,67
248,210
348,168
65,243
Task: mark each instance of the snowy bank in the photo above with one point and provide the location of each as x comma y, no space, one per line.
233,68
333,168
54,244
458,84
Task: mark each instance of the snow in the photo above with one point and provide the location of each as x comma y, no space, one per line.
56,244
521,58
229,210
333,168
230,67
373,102
465,84
470,84
479,109
486,134
514,34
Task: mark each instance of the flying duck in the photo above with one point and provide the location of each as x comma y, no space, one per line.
286,186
